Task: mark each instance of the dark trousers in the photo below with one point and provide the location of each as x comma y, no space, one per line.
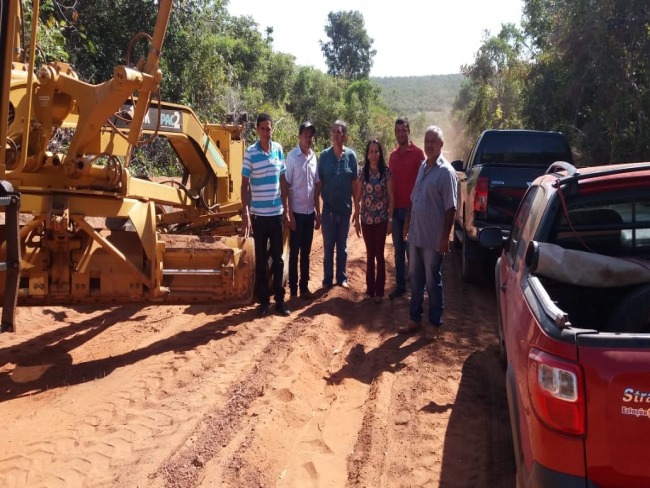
401,247
374,235
300,245
267,232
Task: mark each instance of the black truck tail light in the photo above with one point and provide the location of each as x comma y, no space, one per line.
481,194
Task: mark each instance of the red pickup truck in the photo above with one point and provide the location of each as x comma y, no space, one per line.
573,292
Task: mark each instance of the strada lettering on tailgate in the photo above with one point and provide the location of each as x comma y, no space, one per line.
636,396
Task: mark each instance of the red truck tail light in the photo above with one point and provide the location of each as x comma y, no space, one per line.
481,194
556,392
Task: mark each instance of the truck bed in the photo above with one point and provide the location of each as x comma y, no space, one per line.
587,307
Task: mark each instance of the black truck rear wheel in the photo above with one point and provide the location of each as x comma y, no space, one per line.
471,261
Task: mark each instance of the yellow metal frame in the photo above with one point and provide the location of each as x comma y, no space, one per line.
91,231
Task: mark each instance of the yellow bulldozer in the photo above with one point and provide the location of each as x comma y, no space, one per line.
79,227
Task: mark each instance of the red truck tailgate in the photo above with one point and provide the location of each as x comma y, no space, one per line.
617,384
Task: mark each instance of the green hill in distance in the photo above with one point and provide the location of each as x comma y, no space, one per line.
418,94
426,100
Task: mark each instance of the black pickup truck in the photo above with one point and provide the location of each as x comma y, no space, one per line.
491,183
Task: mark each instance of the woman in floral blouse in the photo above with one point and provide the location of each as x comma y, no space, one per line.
375,198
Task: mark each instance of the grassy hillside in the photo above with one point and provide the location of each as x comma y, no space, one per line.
415,94
425,100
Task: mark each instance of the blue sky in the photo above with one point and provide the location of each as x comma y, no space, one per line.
419,37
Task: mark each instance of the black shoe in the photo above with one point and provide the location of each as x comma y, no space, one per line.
263,310
306,295
282,309
294,293
396,293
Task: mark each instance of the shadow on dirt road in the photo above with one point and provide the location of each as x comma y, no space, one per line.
479,433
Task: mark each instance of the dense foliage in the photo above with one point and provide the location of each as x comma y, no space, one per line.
581,67
576,66
220,64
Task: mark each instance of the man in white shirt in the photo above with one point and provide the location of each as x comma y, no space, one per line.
302,177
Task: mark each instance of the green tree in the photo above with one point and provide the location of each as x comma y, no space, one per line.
195,34
362,99
51,40
348,53
591,77
280,76
218,64
96,46
492,96
319,98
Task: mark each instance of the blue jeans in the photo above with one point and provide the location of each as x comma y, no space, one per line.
401,247
335,230
425,267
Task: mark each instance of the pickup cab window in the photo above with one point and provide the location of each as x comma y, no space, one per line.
613,225
525,221
533,148
467,164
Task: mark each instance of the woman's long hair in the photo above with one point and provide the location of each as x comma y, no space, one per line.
381,164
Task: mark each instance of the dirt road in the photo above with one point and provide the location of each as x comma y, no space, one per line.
204,396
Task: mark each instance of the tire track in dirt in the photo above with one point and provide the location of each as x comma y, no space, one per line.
136,417
307,385
325,384
220,425
212,371
321,400
203,396
321,442
437,419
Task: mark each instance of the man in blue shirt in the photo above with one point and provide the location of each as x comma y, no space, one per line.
264,195
338,180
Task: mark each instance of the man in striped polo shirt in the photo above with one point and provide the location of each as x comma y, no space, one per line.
264,195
